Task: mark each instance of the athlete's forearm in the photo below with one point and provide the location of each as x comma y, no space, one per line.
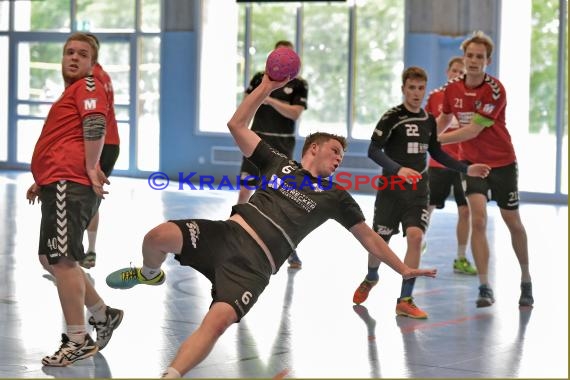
290,111
94,138
443,122
376,154
463,133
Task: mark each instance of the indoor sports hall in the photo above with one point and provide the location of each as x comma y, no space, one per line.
179,69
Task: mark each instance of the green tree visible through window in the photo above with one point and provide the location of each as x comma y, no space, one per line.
544,59
46,15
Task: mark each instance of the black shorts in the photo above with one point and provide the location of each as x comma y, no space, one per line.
249,173
408,207
441,180
67,208
109,157
229,257
501,185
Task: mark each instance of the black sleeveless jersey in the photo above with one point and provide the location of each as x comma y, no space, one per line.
289,203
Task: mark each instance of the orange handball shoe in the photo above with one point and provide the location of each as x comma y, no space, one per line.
407,308
361,294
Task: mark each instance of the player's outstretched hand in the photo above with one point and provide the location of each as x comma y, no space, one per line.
274,84
411,273
478,170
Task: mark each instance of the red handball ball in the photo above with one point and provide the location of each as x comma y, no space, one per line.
282,63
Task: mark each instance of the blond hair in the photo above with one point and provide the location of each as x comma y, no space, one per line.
479,37
456,59
84,37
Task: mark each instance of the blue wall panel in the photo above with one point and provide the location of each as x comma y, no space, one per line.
182,148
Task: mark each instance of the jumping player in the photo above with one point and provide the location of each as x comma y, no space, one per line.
275,122
239,255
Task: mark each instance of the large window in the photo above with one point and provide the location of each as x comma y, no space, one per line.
3,97
353,56
39,85
130,53
326,58
353,73
379,61
529,69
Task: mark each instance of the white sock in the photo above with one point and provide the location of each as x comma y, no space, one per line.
76,333
171,373
525,273
99,311
461,249
150,273
91,239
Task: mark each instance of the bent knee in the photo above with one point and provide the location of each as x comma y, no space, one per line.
162,233
414,235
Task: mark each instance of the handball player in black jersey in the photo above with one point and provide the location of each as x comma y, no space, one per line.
239,255
399,144
274,121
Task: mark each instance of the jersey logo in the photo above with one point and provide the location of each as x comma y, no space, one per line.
90,84
417,148
90,104
488,108
288,90
464,117
494,87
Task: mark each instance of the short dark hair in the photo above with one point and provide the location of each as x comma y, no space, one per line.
321,137
284,43
414,72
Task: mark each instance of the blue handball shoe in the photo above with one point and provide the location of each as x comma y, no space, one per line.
126,278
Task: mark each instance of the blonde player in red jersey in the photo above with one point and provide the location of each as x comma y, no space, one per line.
478,101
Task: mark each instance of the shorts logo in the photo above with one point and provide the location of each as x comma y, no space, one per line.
194,232
61,218
384,230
